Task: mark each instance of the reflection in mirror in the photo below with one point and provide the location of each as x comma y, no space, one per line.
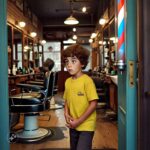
40,55
25,52
36,55
106,47
17,49
30,53
113,41
30,44
10,58
100,39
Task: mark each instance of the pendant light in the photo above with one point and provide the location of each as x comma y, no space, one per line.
71,20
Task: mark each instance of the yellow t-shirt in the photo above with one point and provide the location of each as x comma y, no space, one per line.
78,93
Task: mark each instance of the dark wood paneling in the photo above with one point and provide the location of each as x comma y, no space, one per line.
15,15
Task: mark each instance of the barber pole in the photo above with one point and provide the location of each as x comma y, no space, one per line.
121,35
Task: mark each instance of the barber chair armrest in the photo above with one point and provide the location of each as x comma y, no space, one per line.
30,86
36,82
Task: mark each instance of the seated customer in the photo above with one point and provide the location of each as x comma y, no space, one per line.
45,70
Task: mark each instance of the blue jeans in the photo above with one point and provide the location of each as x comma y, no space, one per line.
81,140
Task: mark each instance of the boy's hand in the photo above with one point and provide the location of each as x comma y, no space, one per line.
71,122
68,118
74,123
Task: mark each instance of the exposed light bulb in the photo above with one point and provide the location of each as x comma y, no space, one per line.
93,35
33,34
74,29
90,40
42,42
22,24
102,21
74,37
84,9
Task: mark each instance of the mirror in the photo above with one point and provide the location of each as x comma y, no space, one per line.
25,52
40,55
113,42
110,47
36,55
106,46
30,53
17,48
10,58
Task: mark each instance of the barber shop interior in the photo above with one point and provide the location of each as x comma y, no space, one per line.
42,63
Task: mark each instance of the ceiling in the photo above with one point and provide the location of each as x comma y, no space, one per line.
52,14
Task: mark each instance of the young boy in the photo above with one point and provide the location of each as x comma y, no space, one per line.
80,99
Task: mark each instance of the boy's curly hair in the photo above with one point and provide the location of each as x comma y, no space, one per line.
77,50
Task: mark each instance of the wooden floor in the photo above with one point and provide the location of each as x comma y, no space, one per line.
106,135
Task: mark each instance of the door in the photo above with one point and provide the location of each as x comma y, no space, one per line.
127,85
144,75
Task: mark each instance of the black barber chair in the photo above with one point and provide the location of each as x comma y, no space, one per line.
102,91
31,104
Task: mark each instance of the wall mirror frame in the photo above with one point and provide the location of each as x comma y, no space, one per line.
28,57
17,47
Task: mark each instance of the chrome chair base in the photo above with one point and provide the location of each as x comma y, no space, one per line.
32,136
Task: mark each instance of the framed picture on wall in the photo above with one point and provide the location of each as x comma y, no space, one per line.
29,14
34,20
25,8
19,4
26,11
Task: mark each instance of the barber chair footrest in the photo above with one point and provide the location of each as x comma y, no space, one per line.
33,136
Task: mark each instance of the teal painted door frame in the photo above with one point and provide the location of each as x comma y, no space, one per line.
127,93
4,105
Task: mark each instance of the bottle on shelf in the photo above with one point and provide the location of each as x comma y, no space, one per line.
14,69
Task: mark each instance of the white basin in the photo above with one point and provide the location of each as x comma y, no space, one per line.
114,79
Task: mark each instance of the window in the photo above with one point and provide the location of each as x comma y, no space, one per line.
52,50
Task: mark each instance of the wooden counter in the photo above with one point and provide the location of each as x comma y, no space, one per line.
20,78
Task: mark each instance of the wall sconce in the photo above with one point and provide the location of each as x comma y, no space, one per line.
104,42
33,34
93,35
102,21
42,42
26,48
21,24
100,42
90,40
84,9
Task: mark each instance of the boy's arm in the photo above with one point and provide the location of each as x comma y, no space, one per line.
92,106
67,113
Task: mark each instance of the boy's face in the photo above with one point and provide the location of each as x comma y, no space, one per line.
73,65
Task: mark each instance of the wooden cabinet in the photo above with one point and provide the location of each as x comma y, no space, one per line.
113,94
